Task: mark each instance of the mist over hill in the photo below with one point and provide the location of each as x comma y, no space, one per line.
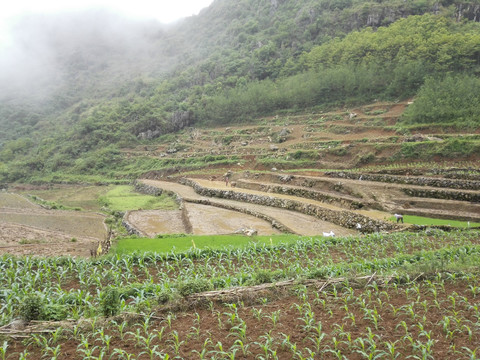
78,52
82,85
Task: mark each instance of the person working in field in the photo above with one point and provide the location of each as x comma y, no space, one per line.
399,218
227,176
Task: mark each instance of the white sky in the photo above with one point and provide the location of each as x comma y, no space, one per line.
166,11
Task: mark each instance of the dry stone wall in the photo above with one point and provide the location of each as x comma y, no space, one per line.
410,180
301,192
132,230
443,194
147,189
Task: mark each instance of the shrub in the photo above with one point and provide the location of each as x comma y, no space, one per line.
194,286
110,302
55,312
32,308
164,296
263,277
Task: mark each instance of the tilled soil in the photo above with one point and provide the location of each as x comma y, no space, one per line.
328,323
29,229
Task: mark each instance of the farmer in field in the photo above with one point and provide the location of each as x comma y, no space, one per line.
227,177
399,218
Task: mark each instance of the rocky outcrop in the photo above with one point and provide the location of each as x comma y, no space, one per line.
150,134
345,218
182,119
468,11
410,180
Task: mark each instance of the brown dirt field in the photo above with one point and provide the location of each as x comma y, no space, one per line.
28,229
208,220
277,321
154,222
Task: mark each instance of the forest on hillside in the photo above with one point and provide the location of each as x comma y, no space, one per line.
234,62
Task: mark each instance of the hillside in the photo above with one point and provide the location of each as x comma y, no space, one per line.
101,84
270,179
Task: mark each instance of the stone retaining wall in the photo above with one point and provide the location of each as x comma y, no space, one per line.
443,194
132,230
147,189
411,180
301,192
186,219
344,218
156,191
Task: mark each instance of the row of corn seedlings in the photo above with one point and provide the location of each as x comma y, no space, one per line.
437,317
76,286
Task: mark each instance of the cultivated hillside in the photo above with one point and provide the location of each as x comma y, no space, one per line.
87,86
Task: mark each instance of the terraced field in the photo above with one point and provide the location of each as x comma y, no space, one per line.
278,167
28,229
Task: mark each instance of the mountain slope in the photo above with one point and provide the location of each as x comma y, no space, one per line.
99,82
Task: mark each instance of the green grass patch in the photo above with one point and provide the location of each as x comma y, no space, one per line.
182,242
123,197
419,220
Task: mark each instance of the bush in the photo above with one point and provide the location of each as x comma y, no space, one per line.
55,312
164,296
263,277
190,287
110,302
32,308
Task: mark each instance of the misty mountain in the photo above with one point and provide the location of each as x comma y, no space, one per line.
80,86
80,52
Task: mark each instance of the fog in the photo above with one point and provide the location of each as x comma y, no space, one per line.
44,52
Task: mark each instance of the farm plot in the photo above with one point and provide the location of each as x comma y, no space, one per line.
212,220
15,201
426,320
296,222
154,222
28,229
384,296
198,219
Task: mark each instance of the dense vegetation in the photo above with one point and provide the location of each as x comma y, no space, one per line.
236,61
